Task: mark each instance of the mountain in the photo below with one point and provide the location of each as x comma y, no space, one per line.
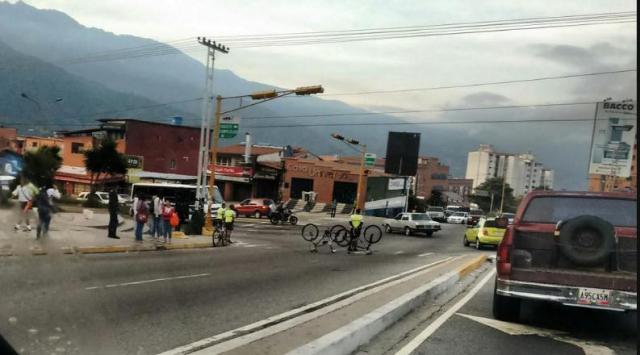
47,37
43,84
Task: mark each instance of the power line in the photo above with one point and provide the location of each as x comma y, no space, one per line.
483,84
561,120
316,115
339,36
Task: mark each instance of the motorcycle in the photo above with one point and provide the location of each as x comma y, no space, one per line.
283,217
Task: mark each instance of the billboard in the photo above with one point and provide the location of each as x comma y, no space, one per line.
402,153
614,138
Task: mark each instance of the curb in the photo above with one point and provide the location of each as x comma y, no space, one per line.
347,339
70,250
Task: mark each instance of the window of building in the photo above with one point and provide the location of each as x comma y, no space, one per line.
172,164
224,161
34,144
77,148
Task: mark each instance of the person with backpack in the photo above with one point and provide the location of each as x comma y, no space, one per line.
44,206
141,217
168,213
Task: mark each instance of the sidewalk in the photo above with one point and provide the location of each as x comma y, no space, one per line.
83,233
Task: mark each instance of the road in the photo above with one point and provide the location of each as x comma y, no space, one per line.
542,329
147,302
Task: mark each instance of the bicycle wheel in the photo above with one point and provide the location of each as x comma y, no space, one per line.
310,232
222,238
340,235
213,236
293,220
372,234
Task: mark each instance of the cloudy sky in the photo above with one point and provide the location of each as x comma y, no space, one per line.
390,64
405,63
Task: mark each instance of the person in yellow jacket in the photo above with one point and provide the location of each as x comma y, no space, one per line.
220,215
229,217
356,226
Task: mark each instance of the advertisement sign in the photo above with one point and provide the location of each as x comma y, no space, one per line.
233,170
396,184
613,139
134,161
10,163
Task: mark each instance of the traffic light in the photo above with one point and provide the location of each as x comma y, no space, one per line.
262,95
309,90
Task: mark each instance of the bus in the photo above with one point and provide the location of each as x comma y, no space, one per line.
179,194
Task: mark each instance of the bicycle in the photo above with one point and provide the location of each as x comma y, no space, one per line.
220,231
363,240
311,233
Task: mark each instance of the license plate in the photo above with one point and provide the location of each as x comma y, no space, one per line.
593,296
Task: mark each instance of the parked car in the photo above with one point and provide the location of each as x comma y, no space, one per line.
487,231
103,197
436,213
254,207
474,216
410,223
458,217
124,199
572,248
509,216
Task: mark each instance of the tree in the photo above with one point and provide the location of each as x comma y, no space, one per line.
436,199
104,159
494,186
40,166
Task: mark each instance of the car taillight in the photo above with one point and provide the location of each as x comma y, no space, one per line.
503,258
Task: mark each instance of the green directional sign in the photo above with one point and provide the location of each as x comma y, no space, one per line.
369,159
229,126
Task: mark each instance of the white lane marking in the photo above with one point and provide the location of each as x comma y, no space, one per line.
147,281
399,252
521,329
258,330
426,333
425,254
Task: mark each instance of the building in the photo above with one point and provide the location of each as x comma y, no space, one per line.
29,143
599,183
251,170
155,152
522,172
431,175
329,179
8,138
459,191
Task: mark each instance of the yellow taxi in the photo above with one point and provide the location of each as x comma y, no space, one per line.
488,231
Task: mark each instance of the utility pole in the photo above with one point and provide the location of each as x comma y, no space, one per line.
504,185
205,125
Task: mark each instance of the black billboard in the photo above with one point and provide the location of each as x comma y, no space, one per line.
402,153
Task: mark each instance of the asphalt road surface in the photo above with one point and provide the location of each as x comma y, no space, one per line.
148,302
543,329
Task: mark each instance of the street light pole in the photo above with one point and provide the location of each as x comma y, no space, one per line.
263,96
363,152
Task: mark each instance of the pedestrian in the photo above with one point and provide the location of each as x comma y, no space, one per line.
113,214
141,217
182,210
53,193
229,217
167,212
43,203
151,218
25,192
334,206
156,211
272,208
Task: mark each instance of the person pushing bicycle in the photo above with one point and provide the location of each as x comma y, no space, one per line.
356,226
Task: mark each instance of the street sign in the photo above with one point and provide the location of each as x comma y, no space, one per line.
369,159
229,126
482,193
134,161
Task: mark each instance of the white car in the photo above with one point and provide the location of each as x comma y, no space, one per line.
458,217
103,197
410,223
436,213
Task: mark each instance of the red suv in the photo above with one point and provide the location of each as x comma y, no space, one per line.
573,248
256,207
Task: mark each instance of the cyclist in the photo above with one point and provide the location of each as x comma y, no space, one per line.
229,217
356,226
220,216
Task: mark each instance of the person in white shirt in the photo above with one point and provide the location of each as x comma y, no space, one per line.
156,229
25,192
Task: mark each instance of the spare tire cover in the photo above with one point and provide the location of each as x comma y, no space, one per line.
587,240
